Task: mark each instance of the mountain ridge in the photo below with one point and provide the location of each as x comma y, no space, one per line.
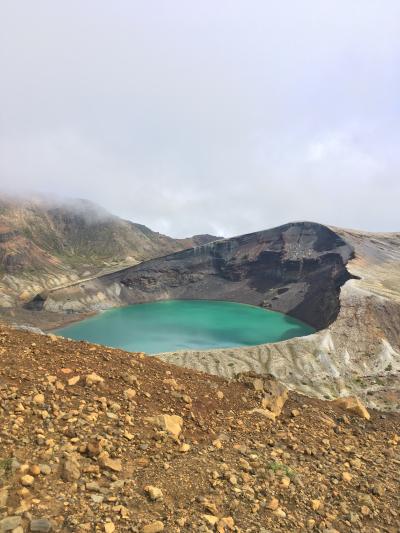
344,282
45,243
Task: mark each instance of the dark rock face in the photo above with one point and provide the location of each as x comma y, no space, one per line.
38,236
297,269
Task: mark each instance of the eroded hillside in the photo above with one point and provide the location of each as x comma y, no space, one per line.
296,269
95,439
46,244
359,353
345,283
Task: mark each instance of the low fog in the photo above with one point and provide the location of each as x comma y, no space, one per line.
192,117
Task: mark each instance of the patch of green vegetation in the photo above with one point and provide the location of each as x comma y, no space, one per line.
360,383
389,368
276,466
5,467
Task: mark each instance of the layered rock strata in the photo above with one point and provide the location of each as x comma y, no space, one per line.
296,269
344,283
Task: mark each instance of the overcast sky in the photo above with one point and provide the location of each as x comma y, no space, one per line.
206,116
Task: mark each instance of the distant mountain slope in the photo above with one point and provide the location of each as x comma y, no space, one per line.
45,244
297,269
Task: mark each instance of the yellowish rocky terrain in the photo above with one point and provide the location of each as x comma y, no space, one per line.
96,439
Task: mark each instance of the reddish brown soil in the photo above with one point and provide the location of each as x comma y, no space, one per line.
237,465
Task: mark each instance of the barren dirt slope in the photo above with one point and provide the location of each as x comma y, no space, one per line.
96,439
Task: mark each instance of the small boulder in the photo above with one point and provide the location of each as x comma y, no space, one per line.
275,397
94,379
170,423
109,527
111,464
70,470
130,394
273,504
38,399
9,523
3,496
42,525
353,405
154,527
27,480
154,493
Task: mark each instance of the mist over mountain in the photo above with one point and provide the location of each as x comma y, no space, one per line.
46,241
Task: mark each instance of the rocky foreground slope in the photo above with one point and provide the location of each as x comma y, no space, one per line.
95,439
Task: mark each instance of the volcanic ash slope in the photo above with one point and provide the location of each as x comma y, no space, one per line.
359,353
343,283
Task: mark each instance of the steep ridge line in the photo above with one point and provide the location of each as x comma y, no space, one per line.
344,282
359,353
45,244
297,269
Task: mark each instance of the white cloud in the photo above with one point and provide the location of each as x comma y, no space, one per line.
205,117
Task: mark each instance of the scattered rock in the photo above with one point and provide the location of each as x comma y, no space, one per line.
42,524
9,523
70,470
264,412
154,527
3,496
210,519
353,405
94,379
38,399
27,480
130,394
74,380
35,470
346,476
45,469
154,493
170,423
316,504
112,464
225,524
273,504
94,448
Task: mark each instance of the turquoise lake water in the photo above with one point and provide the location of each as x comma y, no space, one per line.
172,325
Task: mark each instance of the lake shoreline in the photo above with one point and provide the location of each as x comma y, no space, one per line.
181,325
